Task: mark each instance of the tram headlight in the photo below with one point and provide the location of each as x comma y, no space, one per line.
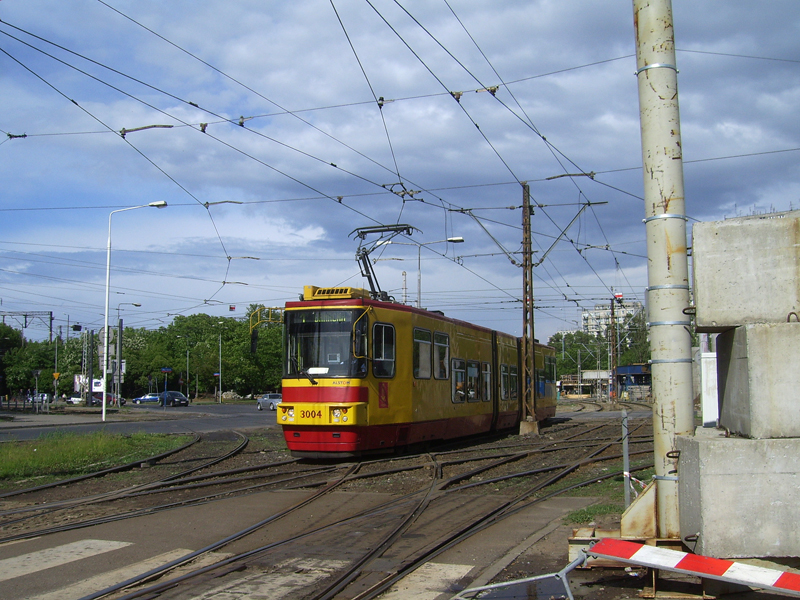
337,413
291,413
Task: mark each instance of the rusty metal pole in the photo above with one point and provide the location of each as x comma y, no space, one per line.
667,263
528,423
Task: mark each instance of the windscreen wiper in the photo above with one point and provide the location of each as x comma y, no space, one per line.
303,372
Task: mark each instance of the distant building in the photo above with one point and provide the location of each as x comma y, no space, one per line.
597,320
634,382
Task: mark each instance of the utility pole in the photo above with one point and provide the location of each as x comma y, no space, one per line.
528,423
612,367
118,370
90,369
55,369
667,262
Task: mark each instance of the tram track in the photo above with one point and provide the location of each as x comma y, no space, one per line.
118,493
636,405
410,526
21,521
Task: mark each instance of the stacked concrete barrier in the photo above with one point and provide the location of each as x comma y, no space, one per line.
740,483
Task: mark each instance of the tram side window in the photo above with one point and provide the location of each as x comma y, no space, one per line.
422,354
504,384
441,345
551,369
486,382
459,380
513,384
383,350
473,381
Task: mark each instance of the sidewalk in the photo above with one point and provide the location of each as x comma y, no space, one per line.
17,419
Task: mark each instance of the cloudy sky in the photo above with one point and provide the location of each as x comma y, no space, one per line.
284,126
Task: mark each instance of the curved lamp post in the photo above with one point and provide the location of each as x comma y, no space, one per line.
158,204
451,240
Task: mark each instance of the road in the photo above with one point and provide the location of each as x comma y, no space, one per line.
197,418
138,419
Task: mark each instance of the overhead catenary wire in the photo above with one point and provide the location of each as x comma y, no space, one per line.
225,277
457,98
505,225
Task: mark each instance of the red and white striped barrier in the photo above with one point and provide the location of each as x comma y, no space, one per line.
694,564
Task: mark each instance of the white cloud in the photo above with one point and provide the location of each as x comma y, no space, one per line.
296,55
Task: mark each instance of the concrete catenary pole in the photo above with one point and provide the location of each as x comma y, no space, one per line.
667,263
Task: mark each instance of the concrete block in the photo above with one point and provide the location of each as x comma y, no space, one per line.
759,380
746,270
739,496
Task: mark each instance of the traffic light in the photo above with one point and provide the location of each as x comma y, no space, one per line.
254,341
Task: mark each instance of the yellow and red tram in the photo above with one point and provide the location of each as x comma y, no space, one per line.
363,376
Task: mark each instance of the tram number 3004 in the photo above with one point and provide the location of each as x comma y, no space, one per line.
310,414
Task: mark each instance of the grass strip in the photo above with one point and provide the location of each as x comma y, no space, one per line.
66,454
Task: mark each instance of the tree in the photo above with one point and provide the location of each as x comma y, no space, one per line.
591,351
10,339
579,350
147,352
21,362
634,344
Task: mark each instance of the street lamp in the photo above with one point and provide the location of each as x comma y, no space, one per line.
452,240
220,362
136,304
157,204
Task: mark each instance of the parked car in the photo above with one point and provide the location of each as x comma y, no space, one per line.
74,399
151,397
111,399
39,398
173,399
270,401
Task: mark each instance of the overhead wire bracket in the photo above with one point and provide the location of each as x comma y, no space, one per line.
124,131
513,260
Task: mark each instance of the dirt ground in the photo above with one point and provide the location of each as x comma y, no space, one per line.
551,554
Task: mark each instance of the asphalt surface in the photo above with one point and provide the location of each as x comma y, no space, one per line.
195,418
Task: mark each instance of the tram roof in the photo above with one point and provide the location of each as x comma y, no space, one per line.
314,296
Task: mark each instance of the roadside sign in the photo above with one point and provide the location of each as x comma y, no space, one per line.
216,374
56,375
166,369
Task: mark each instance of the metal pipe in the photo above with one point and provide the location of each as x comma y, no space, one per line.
667,262
626,459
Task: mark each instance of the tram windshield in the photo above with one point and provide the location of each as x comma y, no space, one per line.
325,343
